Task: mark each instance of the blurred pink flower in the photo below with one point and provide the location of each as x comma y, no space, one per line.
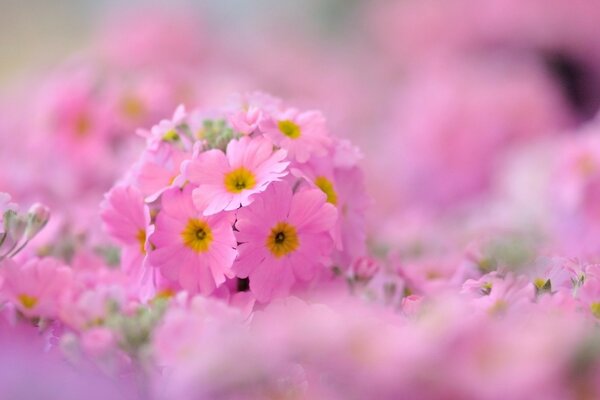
126,219
248,110
453,125
302,134
574,192
151,38
589,293
36,287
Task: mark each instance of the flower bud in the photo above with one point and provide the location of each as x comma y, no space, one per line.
38,217
364,268
14,224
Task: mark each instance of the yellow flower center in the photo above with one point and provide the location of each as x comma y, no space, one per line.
197,235
586,165
171,136
595,309
542,285
164,294
141,238
27,301
283,239
486,288
132,107
499,307
82,125
327,187
239,179
289,128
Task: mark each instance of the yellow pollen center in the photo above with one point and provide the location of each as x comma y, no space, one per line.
197,235
542,285
141,238
595,309
132,107
327,187
239,179
171,136
27,301
289,128
586,165
539,283
499,307
283,239
82,125
164,294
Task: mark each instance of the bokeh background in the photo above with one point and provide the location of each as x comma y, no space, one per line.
477,122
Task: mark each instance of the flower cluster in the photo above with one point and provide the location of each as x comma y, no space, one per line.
257,194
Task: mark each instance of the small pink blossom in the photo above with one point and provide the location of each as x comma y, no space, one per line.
302,134
127,219
229,180
188,248
284,237
248,110
364,268
36,287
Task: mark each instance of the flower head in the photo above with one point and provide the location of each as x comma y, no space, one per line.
229,180
127,219
302,134
284,237
249,110
37,286
189,248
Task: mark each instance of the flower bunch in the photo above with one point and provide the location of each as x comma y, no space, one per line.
256,195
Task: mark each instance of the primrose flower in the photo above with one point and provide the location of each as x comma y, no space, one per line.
229,180
249,110
36,287
127,218
188,248
302,134
345,189
284,237
589,293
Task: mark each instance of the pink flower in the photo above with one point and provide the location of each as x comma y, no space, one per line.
158,170
302,134
126,218
248,110
98,341
589,293
284,237
345,189
90,304
364,268
37,287
193,250
228,181
496,294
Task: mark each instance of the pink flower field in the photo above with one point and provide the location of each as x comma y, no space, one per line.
329,200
